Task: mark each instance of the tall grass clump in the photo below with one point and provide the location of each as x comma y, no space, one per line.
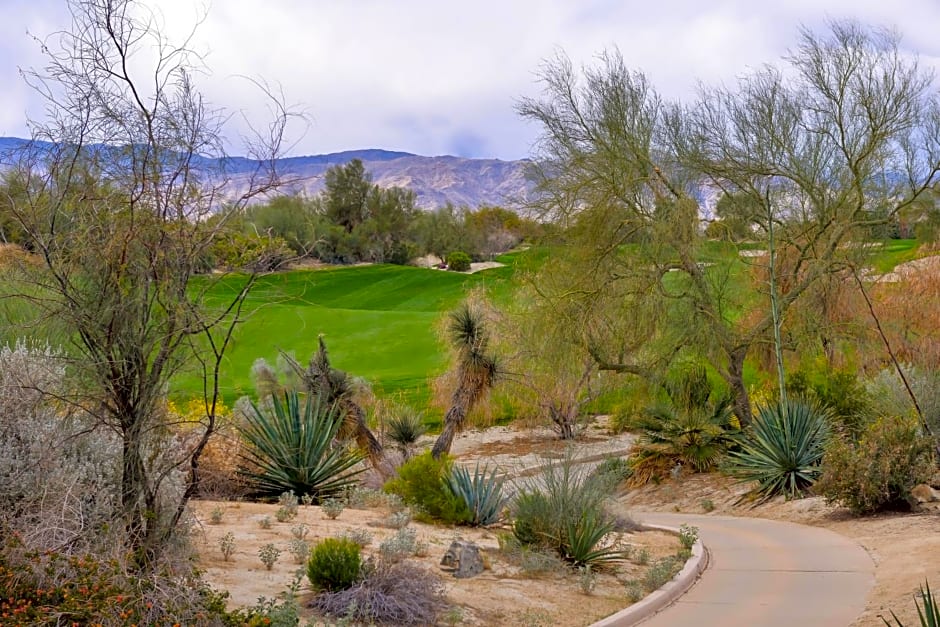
783,450
292,448
563,509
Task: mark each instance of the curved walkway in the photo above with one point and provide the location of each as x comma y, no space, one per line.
768,573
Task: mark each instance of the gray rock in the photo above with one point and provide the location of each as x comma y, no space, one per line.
463,559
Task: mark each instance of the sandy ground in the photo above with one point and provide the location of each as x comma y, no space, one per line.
502,595
905,547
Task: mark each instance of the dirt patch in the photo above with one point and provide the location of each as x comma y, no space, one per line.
503,595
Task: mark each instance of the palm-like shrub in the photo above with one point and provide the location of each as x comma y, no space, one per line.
482,492
404,427
783,450
696,438
292,447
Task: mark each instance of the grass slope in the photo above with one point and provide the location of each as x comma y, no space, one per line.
380,323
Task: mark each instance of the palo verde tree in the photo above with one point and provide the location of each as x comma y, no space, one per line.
844,138
121,176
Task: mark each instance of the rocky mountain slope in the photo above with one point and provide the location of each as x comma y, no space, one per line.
435,180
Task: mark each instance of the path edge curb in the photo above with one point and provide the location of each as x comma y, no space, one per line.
665,596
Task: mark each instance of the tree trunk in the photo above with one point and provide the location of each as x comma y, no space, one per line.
735,378
365,439
453,420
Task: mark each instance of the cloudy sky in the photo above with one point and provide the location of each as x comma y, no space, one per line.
436,77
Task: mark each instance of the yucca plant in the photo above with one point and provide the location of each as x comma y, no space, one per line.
783,450
482,492
404,427
929,615
291,447
584,538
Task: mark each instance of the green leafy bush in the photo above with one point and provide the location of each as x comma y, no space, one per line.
420,483
840,392
615,470
334,564
880,470
292,448
458,261
783,449
481,492
563,510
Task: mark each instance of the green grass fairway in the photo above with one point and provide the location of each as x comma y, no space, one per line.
380,322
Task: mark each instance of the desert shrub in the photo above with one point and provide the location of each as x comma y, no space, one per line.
563,509
660,573
890,398
402,593
842,394
420,483
48,587
614,470
879,471
783,449
402,544
60,469
458,261
481,492
268,555
293,448
334,564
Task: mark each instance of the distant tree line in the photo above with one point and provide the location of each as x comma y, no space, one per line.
354,220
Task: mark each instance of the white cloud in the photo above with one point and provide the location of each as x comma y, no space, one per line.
434,77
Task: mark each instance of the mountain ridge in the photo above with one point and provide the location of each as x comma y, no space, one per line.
436,181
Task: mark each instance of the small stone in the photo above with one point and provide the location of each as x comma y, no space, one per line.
463,559
923,493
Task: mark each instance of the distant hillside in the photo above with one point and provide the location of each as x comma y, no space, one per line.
435,180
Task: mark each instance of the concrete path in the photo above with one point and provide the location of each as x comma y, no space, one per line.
765,573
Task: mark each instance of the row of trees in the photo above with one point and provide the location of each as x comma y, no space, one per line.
355,220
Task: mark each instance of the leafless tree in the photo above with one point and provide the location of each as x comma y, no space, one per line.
122,175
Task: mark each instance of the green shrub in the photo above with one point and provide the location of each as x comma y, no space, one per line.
292,448
481,492
420,483
879,471
334,564
458,261
783,449
563,510
840,392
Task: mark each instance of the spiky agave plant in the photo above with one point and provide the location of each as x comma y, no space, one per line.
477,370
929,616
482,492
783,450
291,446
